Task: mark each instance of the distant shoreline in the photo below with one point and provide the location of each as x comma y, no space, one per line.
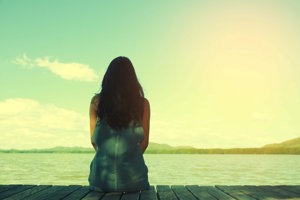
275,150
289,147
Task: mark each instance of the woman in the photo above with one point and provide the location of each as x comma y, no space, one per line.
119,127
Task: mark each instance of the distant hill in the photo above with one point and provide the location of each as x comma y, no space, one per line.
286,147
52,150
156,148
71,149
293,143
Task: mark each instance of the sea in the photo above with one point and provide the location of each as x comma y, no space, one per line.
164,169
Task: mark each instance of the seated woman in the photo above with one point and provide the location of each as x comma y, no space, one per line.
119,127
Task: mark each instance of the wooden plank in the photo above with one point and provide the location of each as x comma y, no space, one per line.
131,196
47,192
260,192
183,193
78,194
28,192
148,194
236,192
164,192
112,196
200,192
54,193
291,188
280,191
64,192
7,187
216,193
245,191
14,190
93,195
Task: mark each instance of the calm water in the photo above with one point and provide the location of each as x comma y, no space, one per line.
70,169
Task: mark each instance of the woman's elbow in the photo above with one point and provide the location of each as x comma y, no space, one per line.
144,147
94,145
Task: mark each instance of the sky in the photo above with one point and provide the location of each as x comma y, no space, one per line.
216,73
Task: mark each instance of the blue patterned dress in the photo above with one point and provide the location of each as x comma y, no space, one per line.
118,164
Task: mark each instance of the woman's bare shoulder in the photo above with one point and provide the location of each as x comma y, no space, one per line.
146,103
95,99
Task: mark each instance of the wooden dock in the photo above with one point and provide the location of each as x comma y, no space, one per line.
160,192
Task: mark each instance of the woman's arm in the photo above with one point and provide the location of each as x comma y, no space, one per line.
93,118
146,125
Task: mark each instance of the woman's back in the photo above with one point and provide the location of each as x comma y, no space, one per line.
118,164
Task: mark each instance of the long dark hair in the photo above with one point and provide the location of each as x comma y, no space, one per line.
121,99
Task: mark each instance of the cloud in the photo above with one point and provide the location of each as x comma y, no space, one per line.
68,71
26,124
